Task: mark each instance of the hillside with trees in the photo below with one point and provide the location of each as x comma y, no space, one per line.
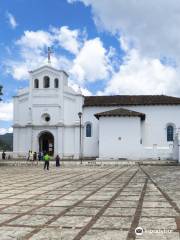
6,142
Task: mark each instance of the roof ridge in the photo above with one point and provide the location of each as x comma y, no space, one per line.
120,112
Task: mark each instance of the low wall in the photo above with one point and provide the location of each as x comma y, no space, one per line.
147,153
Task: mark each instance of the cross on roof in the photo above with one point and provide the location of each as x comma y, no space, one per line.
49,54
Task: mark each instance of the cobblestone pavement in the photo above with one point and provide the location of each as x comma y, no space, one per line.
90,202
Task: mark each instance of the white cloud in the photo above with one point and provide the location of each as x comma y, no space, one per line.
136,73
6,130
148,32
6,114
71,40
35,39
11,20
142,75
76,87
6,111
68,39
92,63
18,70
33,54
125,45
153,26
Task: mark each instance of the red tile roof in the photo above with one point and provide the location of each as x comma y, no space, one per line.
130,100
120,112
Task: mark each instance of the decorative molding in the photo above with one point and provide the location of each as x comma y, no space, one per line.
46,96
47,67
47,126
70,98
45,105
23,99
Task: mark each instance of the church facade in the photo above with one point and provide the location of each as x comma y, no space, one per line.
49,116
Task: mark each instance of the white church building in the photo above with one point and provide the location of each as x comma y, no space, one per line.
50,116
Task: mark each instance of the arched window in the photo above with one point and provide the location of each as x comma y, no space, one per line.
88,130
36,83
56,82
170,133
46,82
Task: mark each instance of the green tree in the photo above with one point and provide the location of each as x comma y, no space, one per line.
1,92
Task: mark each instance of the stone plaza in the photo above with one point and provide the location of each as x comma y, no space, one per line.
90,202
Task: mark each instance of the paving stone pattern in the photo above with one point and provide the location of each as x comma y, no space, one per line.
90,202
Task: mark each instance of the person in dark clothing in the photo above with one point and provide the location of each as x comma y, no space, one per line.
3,155
57,161
39,156
35,156
28,158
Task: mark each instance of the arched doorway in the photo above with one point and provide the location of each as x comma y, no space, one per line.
46,143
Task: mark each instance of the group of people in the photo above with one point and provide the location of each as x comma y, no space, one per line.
4,156
47,158
33,156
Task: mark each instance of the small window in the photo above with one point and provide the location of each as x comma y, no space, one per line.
56,83
170,133
46,117
36,83
46,82
88,130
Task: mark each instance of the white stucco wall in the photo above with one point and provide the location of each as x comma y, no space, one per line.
119,137
69,139
153,129
157,118
91,144
61,104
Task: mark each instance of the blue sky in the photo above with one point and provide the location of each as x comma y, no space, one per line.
107,47
40,15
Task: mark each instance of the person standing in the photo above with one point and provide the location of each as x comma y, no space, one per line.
39,156
34,156
3,155
57,161
28,158
46,161
31,156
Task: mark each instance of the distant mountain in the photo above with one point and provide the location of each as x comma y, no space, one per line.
6,142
